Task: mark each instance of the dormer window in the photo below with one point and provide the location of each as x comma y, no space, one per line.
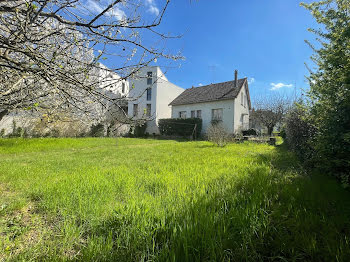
149,78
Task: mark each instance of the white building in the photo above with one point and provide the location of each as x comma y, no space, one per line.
227,103
149,96
110,81
104,111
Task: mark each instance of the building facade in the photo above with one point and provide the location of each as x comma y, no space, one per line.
149,97
227,103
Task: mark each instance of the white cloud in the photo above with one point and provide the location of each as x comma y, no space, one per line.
279,86
200,84
97,7
251,80
152,7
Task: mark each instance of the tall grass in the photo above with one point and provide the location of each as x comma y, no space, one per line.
150,200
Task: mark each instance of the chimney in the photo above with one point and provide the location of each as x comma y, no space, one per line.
236,78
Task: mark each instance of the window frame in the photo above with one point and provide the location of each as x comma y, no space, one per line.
123,87
200,114
193,113
149,78
183,113
149,94
221,115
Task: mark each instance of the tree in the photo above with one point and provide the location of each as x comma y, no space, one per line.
49,49
329,93
270,111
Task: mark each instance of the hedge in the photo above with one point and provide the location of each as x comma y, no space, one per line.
180,126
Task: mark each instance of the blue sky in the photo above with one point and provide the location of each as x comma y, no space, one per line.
264,40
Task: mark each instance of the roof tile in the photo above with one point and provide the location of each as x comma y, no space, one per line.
208,93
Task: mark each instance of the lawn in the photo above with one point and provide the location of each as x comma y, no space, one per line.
105,199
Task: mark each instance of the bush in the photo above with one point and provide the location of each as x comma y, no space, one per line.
218,135
180,126
298,132
139,130
97,130
249,132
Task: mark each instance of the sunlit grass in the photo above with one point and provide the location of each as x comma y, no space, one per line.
136,200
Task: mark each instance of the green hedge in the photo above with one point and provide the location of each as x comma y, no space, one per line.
180,126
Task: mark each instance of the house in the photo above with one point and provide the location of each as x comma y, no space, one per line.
149,96
227,103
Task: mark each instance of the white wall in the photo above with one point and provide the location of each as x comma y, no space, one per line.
228,107
163,92
241,110
110,81
138,94
166,93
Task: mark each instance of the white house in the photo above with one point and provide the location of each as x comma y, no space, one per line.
149,96
227,102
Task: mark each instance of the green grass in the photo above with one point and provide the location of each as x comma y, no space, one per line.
151,200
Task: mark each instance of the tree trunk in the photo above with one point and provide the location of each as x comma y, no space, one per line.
3,113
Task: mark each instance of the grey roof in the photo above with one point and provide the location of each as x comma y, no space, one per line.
213,92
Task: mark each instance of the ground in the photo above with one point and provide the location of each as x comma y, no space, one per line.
105,199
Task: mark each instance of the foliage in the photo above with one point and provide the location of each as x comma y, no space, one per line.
97,130
299,133
180,126
330,86
217,134
51,51
139,130
152,200
249,132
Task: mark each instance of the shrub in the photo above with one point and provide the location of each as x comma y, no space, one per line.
55,132
218,135
298,132
2,132
139,130
249,132
97,130
180,126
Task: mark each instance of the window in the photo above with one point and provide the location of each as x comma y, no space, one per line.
199,113
148,110
182,114
216,114
149,78
242,99
123,88
193,114
135,110
149,94
245,101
